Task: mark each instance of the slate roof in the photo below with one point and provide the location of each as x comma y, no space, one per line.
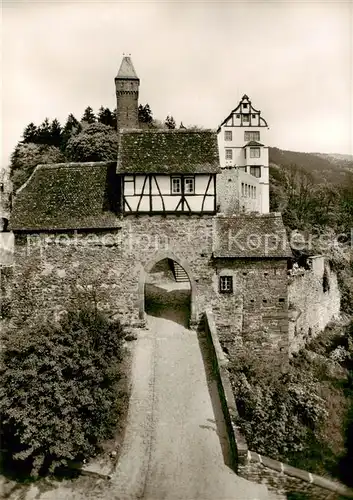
168,152
67,196
251,236
127,70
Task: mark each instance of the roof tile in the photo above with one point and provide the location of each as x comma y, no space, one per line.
251,236
168,151
67,196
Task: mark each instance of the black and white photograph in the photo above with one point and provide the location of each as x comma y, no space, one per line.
176,250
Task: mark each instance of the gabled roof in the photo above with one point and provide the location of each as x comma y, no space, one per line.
252,143
67,196
251,236
168,152
236,110
127,70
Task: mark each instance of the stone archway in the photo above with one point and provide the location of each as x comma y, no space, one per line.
142,281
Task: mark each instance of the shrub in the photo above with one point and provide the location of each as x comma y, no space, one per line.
279,410
58,398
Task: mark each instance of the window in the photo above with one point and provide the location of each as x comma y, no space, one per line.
251,135
189,185
226,284
254,152
227,135
176,185
255,171
229,154
238,116
242,188
254,116
245,106
245,118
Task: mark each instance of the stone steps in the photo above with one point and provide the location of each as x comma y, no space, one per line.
179,273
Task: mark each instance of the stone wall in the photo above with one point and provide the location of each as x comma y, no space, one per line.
115,262
258,307
237,443
314,300
285,482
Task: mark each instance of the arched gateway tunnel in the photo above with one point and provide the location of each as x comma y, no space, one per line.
168,292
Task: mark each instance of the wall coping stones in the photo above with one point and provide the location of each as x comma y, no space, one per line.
308,477
241,454
237,441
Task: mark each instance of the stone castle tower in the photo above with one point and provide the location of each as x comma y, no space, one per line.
127,91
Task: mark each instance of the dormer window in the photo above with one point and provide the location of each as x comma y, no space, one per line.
254,152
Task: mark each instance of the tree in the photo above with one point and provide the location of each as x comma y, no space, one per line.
105,116
170,122
114,118
44,133
88,115
145,114
71,128
55,131
30,133
58,388
96,142
26,157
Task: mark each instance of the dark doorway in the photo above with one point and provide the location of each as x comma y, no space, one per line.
168,292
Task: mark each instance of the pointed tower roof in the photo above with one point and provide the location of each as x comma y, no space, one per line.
127,70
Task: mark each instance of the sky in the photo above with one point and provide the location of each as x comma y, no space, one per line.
195,60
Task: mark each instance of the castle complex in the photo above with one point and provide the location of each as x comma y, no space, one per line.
198,198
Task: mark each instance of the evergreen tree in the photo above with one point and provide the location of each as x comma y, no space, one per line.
30,133
145,114
170,122
44,133
88,116
56,131
72,127
105,116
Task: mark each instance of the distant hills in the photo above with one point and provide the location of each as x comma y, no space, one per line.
333,168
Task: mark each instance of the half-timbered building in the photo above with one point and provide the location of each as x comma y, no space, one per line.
164,172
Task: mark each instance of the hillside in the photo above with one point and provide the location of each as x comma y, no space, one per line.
334,168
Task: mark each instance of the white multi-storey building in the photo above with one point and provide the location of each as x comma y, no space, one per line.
243,185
